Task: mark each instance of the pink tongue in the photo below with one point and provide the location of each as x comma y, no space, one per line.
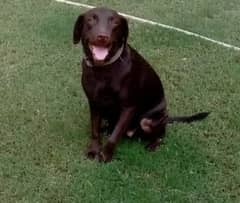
99,53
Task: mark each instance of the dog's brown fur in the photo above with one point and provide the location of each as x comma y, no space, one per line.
127,93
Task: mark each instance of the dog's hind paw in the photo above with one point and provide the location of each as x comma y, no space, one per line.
152,146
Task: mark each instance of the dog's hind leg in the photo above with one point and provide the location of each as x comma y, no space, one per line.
155,139
153,125
154,132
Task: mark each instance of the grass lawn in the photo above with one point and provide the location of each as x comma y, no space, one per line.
44,120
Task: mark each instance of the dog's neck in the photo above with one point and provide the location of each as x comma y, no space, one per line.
115,57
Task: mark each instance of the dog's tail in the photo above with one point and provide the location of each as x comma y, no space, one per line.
188,119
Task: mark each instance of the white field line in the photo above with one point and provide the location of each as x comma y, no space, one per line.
158,24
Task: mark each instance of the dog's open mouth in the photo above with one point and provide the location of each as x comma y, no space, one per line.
99,53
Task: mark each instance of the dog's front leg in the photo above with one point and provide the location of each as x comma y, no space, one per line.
95,139
121,127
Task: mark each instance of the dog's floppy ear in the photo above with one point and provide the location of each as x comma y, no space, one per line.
124,27
77,31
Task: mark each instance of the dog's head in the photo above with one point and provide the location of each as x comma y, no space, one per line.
102,32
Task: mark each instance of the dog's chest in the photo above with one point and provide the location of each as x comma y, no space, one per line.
102,90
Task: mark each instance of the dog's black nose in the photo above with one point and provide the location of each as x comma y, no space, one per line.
102,38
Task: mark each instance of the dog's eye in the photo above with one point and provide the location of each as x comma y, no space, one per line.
92,19
94,16
113,21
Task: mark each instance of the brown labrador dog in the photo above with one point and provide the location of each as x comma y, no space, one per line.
121,86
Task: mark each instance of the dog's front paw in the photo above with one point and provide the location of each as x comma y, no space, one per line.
93,149
106,154
104,157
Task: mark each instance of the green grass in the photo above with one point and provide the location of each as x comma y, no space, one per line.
44,113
